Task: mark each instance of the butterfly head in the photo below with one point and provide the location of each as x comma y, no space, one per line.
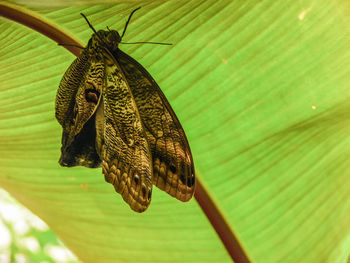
107,39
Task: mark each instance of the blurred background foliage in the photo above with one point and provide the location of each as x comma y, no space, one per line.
262,90
25,238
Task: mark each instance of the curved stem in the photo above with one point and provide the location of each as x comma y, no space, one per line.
220,224
209,207
39,24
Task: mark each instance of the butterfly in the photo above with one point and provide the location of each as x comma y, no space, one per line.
114,115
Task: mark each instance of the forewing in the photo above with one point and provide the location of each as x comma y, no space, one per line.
67,90
125,154
173,169
76,102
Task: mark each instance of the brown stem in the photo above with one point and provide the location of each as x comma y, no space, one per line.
39,24
202,196
220,224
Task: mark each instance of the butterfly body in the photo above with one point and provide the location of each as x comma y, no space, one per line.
114,115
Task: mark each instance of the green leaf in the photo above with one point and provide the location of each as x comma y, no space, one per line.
262,91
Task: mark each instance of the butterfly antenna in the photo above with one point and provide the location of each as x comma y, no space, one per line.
93,29
127,22
156,43
70,45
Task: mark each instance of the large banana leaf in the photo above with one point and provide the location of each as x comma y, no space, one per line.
262,89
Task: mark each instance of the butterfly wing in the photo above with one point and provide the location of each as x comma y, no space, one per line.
173,169
76,102
68,88
125,153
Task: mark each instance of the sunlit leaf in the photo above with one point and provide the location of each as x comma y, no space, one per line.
262,91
